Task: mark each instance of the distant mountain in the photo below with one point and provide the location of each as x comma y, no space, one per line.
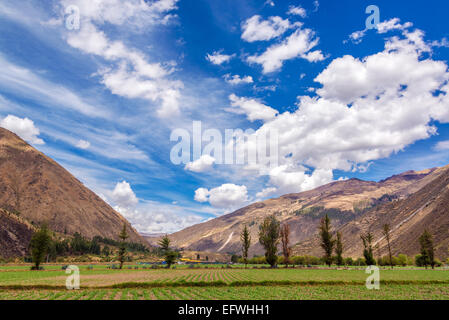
353,206
428,208
39,190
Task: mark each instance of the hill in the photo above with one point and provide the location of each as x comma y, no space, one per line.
39,190
428,208
350,204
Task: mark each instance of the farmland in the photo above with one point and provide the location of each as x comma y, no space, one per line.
218,283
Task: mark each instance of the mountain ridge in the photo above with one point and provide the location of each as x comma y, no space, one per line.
344,201
41,191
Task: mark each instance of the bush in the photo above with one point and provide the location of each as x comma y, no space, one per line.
360,262
420,261
257,260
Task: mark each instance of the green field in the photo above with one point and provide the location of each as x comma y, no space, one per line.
100,283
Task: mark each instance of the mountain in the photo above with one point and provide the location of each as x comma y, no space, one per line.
353,206
15,235
39,190
428,208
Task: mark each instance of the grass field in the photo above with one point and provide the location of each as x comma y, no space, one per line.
216,283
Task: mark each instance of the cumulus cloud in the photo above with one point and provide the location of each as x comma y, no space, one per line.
297,10
24,128
290,179
298,44
253,109
201,195
265,193
130,74
123,196
236,79
204,163
366,109
83,144
226,196
218,58
153,217
257,29
383,27
149,216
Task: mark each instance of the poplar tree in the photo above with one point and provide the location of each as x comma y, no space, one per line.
327,241
269,238
245,238
122,248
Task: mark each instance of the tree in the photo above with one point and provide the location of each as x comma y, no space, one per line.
427,250
40,243
269,238
386,232
339,250
368,248
106,251
245,237
122,247
169,254
285,240
327,241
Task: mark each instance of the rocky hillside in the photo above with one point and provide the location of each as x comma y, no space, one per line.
41,190
344,201
15,235
428,208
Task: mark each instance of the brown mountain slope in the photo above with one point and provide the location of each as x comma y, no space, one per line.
15,235
428,208
342,200
43,191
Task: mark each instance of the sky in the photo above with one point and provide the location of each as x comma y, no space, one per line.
113,89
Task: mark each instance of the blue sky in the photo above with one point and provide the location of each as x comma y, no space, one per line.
104,98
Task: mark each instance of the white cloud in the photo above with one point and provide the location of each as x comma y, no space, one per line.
236,79
204,163
442,145
130,74
296,45
153,217
136,13
253,109
366,109
256,29
383,27
29,84
83,144
292,180
392,24
226,196
218,58
123,196
201,195
265,193
269,3
24,128
441,43
297,10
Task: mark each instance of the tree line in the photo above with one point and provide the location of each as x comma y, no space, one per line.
272,233
43,247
